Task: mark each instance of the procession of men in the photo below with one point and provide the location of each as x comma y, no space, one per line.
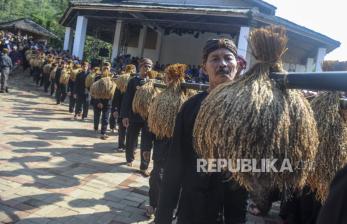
177,190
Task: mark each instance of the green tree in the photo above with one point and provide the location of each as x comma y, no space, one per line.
47,13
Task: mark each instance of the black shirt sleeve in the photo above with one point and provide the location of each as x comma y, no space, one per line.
128,99
57,76
334,210
172,177
116,101
77,83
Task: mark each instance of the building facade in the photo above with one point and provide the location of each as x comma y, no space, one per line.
174,31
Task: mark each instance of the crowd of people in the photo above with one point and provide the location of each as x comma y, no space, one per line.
177,190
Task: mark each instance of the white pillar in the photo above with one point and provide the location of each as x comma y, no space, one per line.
116,39
68,39
158,46
242,44
310,65
142,40
320,58
80,36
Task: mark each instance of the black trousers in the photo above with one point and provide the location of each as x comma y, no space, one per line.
155,182
36,75
41,78
52,87
46,83
60,94
301,208
82,105
160,152
104,113
112,120
146,144
121,133
234,204
72,103
212,201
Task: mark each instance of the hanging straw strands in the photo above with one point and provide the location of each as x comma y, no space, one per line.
143,98
103,88
332,149
254,119
164,108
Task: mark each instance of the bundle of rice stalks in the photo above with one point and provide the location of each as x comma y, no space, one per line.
163,110
165,106
64,77
332,148
152,74
40,62
74,73
144,95
103,88
46,69
89,80
190,92
174,74
160,76
28,54
33,61
53,72
254,118
122,82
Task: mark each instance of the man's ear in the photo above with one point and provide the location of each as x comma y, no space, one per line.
204,68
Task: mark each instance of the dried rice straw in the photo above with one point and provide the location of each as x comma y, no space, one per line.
64,77
254,118
122,82
103,88
143,98
164,108
332,149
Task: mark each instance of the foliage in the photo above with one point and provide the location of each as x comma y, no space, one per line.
47,13
92,47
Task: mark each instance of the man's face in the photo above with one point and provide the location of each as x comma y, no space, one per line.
220,66
146,67
85,67
106,69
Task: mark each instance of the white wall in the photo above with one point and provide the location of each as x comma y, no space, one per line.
294,67
184,49
133,51
147,53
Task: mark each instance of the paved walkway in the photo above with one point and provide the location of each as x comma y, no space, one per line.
55,170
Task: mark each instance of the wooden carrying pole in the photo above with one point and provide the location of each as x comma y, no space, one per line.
318,81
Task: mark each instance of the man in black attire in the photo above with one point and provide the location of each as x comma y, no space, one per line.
301,208
80,93
115,112
134,122
334,211
102,107
60,93
5,69
202,198
46,69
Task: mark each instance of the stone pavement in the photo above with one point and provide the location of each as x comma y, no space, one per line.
55,170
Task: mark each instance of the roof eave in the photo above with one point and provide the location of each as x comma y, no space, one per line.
295,28
230,12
